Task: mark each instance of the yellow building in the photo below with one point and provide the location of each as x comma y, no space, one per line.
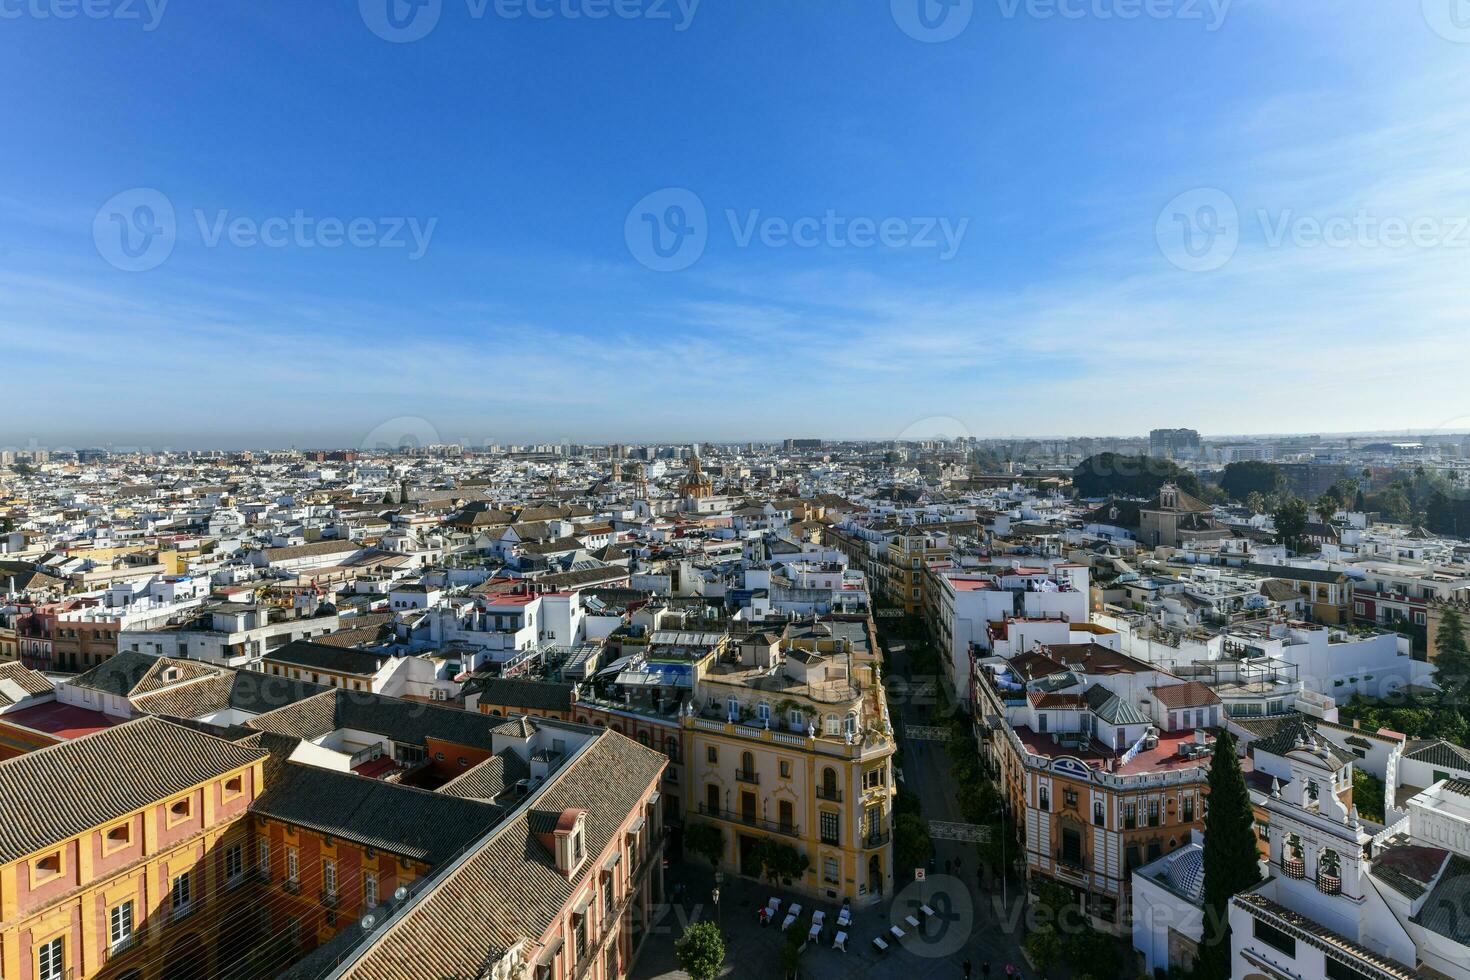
909,550
788,740
111,871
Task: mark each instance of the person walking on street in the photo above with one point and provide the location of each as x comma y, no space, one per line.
967,970
985,970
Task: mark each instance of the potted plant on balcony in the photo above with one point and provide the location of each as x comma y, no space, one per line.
1329,873
1291,859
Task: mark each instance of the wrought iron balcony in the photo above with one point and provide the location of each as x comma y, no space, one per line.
749,820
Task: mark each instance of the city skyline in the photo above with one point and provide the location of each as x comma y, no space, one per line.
420,433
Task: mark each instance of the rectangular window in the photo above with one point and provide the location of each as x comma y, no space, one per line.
1098,815
830,827
51,960
263,857
1337,970
293,868
118,837
785,769
369,889
179,896
830,873
234,861
1130,816
1275,938
712,754
1043,799
1069,797
329,878
1189,809
120,927
1153,813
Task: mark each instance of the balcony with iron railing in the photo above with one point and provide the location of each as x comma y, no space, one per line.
1074,865
750,820
833,795
747,776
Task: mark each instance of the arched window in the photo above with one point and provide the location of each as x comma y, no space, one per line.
829,783
747,767
850,726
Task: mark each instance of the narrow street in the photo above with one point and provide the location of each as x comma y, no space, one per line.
926,774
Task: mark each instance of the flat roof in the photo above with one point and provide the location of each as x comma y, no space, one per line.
65,721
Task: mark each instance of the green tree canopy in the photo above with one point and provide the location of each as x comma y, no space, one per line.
1291,523
1230,835
1242,479
701,951
706,840
1115,475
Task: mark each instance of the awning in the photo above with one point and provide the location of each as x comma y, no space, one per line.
636,825
549,951
612,862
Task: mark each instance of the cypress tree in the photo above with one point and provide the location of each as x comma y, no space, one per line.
1230,858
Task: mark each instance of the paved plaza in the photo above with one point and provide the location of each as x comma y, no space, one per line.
967,922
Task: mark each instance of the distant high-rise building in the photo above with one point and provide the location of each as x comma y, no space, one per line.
1173,443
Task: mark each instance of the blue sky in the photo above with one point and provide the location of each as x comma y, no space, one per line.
1065,155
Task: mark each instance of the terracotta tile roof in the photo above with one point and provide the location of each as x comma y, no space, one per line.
331,659
27,680
1190,694
415,823
509,889
65,789
488,779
